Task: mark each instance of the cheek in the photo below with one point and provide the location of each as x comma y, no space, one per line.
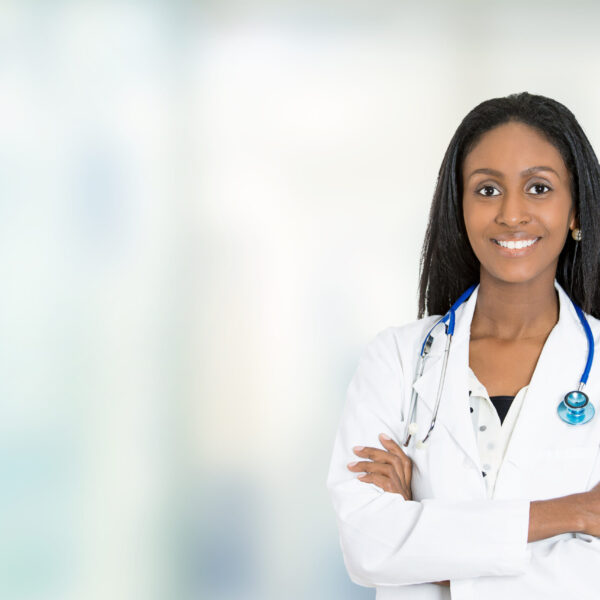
476,222
556,227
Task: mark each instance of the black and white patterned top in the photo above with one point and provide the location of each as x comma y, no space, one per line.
493,423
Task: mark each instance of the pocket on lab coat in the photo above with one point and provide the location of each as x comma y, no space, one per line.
560,471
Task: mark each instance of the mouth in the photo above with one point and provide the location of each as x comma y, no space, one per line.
516,244
516,247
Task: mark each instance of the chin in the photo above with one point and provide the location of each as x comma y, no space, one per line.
517,275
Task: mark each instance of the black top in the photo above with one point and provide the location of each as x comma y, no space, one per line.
502,404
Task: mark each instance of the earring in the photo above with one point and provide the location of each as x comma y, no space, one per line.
576,234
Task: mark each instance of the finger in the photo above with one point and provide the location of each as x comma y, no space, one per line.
360,465
385,483
375,454
391,446
379,480
407,471
384,457
403,462
367,466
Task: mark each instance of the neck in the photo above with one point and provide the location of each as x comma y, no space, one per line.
512,311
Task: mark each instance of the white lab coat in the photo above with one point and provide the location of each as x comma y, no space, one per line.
451,530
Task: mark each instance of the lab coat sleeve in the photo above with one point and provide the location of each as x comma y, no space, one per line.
387,540
565,566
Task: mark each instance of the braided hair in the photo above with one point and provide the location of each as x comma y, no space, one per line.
448,264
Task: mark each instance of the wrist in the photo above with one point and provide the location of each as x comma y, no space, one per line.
567,514
579,512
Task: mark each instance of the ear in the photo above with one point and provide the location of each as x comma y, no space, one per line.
573,224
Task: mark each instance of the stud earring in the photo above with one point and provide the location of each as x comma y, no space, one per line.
576,234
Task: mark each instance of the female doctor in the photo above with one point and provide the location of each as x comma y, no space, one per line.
466,463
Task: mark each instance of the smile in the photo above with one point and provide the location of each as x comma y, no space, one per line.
516,244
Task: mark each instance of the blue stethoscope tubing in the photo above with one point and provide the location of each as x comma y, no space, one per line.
575,408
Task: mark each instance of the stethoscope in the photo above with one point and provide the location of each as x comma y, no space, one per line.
574,409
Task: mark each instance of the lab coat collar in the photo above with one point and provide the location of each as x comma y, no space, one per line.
453,413
557,372
538,428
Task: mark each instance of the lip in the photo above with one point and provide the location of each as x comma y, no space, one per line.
515,252
517,234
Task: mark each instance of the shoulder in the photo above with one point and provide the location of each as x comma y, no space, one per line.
385,365
398,344
592,321
594,324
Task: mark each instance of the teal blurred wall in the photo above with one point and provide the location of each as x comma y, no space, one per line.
208,209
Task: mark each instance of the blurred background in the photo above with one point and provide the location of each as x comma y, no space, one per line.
208,209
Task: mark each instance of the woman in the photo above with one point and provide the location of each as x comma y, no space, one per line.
502,500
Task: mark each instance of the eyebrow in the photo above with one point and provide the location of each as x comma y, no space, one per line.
528,171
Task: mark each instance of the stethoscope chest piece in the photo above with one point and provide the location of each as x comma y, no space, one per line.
576,408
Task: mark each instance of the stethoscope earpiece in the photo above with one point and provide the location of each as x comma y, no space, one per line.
576,408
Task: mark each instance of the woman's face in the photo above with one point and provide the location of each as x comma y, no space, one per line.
517,203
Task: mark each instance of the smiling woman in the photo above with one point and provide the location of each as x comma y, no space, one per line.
511,212
507,486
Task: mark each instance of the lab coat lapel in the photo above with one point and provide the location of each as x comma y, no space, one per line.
558,371
453,413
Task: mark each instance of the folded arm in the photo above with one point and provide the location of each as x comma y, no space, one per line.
387,540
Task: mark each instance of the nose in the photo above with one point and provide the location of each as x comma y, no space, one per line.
513,210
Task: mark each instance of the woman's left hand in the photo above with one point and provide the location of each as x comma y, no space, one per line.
389,469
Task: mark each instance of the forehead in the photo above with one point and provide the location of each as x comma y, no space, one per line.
511,148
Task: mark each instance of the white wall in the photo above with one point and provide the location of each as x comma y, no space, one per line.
208,210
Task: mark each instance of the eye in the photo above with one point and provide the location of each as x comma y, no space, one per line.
540,185
487,188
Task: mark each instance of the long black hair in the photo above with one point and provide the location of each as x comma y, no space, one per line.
449,266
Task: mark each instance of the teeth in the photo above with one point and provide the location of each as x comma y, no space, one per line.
517,244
